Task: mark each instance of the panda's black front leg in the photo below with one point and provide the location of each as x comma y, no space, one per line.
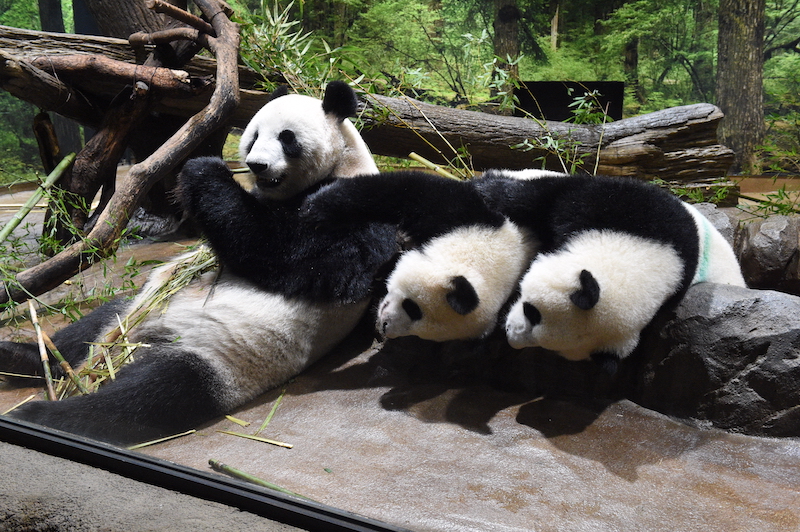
230,217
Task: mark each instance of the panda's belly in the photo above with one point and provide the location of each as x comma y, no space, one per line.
255,340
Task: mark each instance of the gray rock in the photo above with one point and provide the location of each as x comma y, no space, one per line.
766,248
730,356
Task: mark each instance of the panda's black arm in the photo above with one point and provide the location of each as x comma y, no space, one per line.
230,218
422,204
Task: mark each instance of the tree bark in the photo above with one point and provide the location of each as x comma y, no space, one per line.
674,144
506,41
104,238
740,92
20,48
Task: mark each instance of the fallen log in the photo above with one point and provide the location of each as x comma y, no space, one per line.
679,143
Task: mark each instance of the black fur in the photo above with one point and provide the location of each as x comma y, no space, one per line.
463,299
421,204
589,294
165,393
269,243
340,100
557,208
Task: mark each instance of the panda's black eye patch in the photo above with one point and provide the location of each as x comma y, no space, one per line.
412,309
531,313
291,148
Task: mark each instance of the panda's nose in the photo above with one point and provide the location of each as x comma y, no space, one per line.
258,168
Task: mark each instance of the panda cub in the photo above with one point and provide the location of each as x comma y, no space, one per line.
613,253
288,291
464,263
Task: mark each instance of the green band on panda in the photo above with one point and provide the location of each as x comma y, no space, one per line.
704,260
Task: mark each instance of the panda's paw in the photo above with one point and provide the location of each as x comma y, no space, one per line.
198,176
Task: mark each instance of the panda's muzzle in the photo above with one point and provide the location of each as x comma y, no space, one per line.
264,178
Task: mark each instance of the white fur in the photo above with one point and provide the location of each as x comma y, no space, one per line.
255,340
717,262
636,276
492,260
530,173
331,146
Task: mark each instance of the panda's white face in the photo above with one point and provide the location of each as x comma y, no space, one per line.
296,141
454,286
595,295
290,145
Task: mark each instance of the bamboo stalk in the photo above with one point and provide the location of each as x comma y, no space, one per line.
63,363
48,377
216,465
161,440
37,195
435,167
271,413
257,438
238,421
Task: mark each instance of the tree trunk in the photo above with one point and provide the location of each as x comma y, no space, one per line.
67,131
506,42
740,93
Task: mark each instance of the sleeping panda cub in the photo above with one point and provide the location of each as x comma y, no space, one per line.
465,261
288,291
614,252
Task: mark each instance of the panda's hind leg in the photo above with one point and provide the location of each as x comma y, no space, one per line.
22,358
167,391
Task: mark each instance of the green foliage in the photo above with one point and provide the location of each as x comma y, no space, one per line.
19,14
19,153
569,152
676,45
274,43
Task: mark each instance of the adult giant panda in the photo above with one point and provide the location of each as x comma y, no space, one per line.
288,291
613,253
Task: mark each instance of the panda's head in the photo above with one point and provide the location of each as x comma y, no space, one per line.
296,141
593,296
454,287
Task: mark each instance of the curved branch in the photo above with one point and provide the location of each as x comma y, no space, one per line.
104,237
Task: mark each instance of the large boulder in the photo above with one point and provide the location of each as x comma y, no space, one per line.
729,356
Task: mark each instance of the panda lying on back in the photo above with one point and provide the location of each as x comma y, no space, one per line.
612,252
287,294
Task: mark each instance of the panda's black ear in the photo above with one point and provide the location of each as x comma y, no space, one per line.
339,100
589,293
463,297
282,90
